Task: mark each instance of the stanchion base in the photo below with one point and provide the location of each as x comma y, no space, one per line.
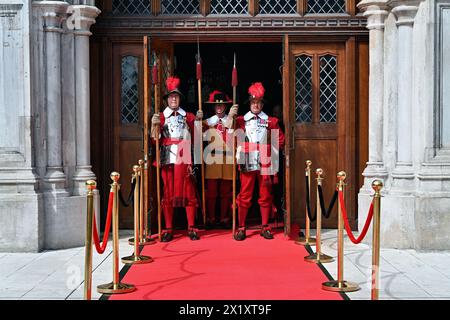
146,242
110,288
323,258
340,286
306,241
136,259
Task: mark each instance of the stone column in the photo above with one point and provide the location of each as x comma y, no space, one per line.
403,174
54,13
82,18
376,13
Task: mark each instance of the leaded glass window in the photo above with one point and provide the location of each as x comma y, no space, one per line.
130,90
303,88
328,88
277,7
229,6
131,7
326,6
180,6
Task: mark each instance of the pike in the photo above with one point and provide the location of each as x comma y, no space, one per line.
234,84
145,235
199,80
158,154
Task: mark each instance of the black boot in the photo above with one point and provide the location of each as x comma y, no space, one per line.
266,233
193,235
240,235
167,236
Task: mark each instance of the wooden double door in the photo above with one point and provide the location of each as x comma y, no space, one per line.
322,82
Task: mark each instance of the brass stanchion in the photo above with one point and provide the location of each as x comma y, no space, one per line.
307,240
340,285
318,257
115,286
143,240
91,185
135,258
377,185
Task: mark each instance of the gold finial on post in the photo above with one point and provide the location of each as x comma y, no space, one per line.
377,185
115,176
308,163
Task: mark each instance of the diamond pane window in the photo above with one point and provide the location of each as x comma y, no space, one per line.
328,88
131,7
277,7
326,6
303,88
180,6
229,6
130,91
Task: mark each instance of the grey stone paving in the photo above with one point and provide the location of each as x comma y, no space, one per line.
58,274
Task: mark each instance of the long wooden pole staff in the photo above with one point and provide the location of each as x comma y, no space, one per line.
146,134
158,154
199,80
234,84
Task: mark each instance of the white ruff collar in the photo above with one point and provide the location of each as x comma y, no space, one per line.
249,115
168,112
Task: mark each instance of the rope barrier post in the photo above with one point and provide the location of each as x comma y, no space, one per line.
116,286
307,240
143,240
318,257
377,185
340,285
91,185
136,258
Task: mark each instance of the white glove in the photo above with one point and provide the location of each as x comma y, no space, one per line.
233,111
199,115
156,120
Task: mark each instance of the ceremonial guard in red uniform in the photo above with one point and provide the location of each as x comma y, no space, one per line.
253,155
219,161
176,127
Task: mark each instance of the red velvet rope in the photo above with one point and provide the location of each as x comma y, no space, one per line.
101,248
347,224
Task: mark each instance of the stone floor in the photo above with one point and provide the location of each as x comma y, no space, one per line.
58,275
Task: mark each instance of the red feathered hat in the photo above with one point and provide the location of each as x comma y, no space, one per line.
218,97
173,84
256,91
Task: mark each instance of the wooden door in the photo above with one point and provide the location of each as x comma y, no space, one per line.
127,117
318,117
128,112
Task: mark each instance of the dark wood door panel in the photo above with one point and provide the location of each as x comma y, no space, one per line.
323,154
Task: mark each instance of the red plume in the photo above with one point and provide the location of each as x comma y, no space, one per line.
234,77
155,74
172,83
256,90
212,95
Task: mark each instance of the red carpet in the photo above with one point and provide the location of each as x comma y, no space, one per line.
219,268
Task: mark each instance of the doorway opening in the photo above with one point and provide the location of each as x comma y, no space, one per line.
255,62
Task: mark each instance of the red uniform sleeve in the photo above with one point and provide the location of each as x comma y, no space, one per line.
190,119
240,123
